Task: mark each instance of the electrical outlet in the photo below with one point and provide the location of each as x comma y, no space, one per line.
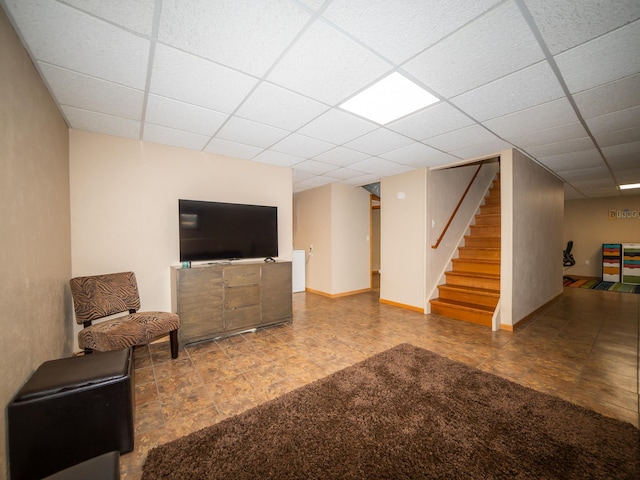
586,262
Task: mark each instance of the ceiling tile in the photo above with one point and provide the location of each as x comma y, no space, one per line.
342,156
588,19
277,158
614,96
136,16
526,88
379,141
302,146
596,176
89,93
482,149
204,83
611,122
602,60
279,107
252,133
399,29
328,66
434,160
432,121
558,148
625,156
365,179
337,127
101,123
63,36
177,138
534,119
562,133
472,135
573,161
478,53
183,116
344,173
314,167
232,149
628,135
380,166
239,34
412,154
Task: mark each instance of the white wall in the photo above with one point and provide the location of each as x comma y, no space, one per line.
588,223
538,211
35,244
124,204
403,239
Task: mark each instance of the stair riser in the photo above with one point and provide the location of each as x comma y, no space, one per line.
452,312
480,242
465,265
479,253
492,201
485,230
462,280
468,297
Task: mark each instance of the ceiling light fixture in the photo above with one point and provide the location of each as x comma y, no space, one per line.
392,97
629,186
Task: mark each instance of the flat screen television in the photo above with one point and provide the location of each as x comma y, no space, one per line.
227,231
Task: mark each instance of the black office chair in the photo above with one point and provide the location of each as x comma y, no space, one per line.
568,261
567,257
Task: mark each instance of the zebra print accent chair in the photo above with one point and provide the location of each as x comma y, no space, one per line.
99,296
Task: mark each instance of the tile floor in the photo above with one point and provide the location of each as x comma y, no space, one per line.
583,348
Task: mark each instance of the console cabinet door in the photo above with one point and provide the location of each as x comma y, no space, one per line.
276,292
199,303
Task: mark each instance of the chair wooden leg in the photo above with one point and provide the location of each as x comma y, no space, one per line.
173,341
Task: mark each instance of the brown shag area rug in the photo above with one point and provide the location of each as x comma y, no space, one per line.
406,413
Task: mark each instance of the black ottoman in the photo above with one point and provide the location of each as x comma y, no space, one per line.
104,467
71,410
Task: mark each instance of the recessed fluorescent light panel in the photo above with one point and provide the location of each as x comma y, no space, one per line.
392,97
629,186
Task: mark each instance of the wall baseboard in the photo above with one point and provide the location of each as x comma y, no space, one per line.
337,295
402,305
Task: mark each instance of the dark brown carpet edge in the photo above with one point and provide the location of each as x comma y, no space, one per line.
406,413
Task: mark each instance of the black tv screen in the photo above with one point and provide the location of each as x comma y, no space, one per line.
227,231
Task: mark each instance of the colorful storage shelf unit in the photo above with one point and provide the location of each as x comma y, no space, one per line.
611,260
631,263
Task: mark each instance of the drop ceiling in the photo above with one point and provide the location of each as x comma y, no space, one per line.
263,80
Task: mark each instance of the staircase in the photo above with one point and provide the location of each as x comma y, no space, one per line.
472,288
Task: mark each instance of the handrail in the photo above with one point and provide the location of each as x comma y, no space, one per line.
446,227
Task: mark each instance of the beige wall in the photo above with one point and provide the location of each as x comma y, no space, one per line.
350,236
312,223
588,224
335,220
403,238
538,206
124,204
34,201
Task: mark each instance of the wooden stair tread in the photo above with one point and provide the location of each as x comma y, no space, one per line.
463,273
487,261
462,305
475,290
